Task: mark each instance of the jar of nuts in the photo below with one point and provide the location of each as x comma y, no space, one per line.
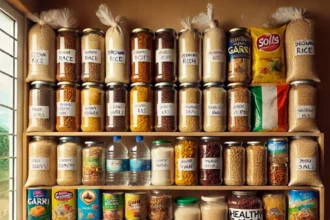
160,205
234,163
256,163
239,104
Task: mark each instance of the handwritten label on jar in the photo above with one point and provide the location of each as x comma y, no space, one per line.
118,165
40,112
189,58
116,109
160,163
165,109
165,55
66,163
306,163
142,108
141,55
240,109
216,56
139,165
92,111
305,111
66,56
91,56
303,47
66,109
39,163
245,214
39,57
116,56
215,110
187,164
190,109
210,163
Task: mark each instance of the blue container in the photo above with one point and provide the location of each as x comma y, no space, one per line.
303,204
39,204
89,204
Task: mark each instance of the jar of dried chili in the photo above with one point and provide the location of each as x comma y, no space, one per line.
278,174
245,205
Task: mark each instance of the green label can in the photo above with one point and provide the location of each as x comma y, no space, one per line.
38,204
113,206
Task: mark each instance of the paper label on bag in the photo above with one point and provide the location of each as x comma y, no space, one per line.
91,56
116,109
245,214
66,56
187,164
142,108
215,110
66,109
306,163
165,109
141,55
211,163
92,111
305,111
160,164
39,163
216,56
303,47
165,55
240,109
116,56
39,57
66,163
189,58
40,112
190,110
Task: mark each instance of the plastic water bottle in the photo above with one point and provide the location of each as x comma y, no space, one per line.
117,163
139,164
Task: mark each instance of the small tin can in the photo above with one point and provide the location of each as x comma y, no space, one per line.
38,204
89,204
136,206
64,204
278,150
113,206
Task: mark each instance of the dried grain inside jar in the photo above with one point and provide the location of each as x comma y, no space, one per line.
92,52
141,107
68,55
190,49
166,60
186,161
142,55
278,150
187,208
274,206
92,107
69,161
244,203
190,107
239,104
68,107
42,107
302,106
166,118
214,208
278,174
234,163
214,107
256,163
160,205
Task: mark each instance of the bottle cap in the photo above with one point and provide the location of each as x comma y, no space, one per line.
139,138
116,138
186,200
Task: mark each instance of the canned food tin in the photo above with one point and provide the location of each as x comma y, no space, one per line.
113,206
278,150
38,204
136,206
89,204
64,204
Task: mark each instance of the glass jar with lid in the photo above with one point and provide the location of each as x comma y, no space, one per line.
214,107
187,208
160,205
117,107
214,208
278,150
69,161
240,203
68,43
256,163
278,174
234,163
92,107
166,107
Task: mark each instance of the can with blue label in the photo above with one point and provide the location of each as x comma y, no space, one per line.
278,150
303,205
89,204
39,204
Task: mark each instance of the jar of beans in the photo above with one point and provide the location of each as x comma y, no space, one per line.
278,150
190,56
278,174
239,104
117,107
141,107
92,107
186,159
210,160
42,107
256,163
166,107
68,107
68,55
214,107
234,163
245,205
92,48
190,107
142,55
166,48
160,205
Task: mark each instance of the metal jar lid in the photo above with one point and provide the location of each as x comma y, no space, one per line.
233,143
67,83
114,84
256,143
232,85
185,138
138,30
37,138
68,30
169,30
69,139
90,84
213,84
210,138
301,82
92,143
185,85
34,83
93,30
244,193
165,84
239,29
140,84
278,139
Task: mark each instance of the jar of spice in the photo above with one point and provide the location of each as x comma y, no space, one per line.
142,55
92,49
68,43
278,150
42,107
239,104
160,205
141,107
166,48
256,163
234,163
274,206
69,161
215,107
166,107
68,107
93,166
186,157
190,107
92,107
245,205
214,208
190,56
187,208
278,174
117,107
210,160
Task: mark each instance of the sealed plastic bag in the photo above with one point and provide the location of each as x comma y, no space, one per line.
270,104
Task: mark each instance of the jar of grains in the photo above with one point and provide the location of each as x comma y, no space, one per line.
68,55
239,104
117,107
166,48
214,55
142,55
92,107
302,106
234,163
160,205
214,208
215,107
93,166
186,159
256,163
274,206
190,107
190,56
187,208
278,150
278,174
210,160
69,161
42,107
245,205
166,107
68,107
141,108
92,50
